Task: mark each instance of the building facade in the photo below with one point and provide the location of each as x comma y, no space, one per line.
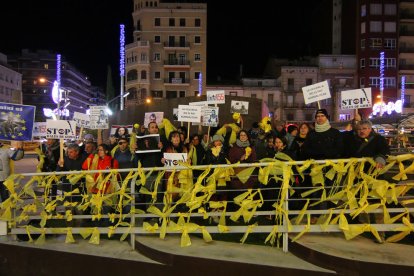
41,64
167,58
377,43
340,71
10,83
406,55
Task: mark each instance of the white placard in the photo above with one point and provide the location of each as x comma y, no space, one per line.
357,98
239,107
82,119
188,113
60,129
39,129
172,159
153,117
216,97
200,103
210,116
316,92
98,117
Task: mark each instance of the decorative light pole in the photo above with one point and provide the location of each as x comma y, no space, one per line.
382,58
122,63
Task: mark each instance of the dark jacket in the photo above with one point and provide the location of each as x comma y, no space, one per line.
323,145
374,146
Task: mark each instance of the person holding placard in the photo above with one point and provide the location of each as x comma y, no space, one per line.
175,145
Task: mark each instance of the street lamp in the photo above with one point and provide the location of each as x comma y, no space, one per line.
108,110
57,98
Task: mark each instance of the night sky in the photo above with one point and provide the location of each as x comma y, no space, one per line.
86,32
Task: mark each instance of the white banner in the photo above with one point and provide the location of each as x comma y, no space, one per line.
357,98
316,92
60,129
200,103
82,119
188,113
216,97
172,159
98,117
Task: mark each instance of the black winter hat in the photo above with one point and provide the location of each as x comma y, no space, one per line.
291,128
322,111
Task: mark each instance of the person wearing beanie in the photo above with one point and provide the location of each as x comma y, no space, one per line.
325,142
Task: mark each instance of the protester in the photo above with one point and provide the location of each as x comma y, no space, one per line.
102,161
124,156
242,152
366,143
7,155
72,161
175,145
297,144
51,151
325,142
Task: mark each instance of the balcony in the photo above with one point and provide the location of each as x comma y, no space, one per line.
406,50
406,15
176,62
406,33
406,67
144,43
177,44
291,105
177,81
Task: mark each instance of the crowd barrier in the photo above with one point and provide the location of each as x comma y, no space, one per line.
287,197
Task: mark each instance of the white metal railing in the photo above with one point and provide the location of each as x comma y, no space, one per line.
23,198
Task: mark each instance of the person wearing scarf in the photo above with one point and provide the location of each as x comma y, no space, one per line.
242,152
325,142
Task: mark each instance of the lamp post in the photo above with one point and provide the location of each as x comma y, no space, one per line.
57,97
114,99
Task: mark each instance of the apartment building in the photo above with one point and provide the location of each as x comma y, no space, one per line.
10,83
34,65
406,55
168,56
377,43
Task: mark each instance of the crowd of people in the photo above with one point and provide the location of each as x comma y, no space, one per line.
317,141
